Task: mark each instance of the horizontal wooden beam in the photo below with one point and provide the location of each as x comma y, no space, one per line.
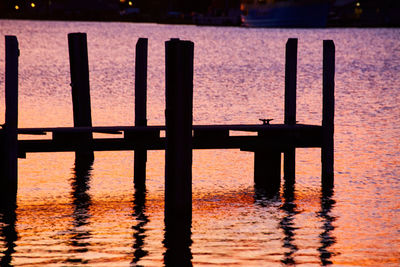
147,129
62,143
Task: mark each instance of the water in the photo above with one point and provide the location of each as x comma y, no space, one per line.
97,219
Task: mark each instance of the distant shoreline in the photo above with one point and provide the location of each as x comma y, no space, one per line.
185,22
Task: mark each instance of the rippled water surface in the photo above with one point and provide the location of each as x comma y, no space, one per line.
71,215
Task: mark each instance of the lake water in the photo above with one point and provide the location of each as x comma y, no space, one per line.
99,220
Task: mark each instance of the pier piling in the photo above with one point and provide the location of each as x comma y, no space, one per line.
289,159
9,135
178,123
267,169
328,113
140,158
79,66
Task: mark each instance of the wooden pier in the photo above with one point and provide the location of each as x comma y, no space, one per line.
180,135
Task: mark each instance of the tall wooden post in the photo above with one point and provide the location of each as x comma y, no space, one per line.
9,160
140,158
178,122
289,160
328,113
79,65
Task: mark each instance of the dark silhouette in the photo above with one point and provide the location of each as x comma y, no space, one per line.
180,138
140,159
81,201
139,214
177,241
326,237
287,222
263,194
79,66
178,146
8,233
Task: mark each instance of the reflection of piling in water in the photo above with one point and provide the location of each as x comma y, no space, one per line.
81,202
8,233
264,198
287,222
139,214
326,237
177,241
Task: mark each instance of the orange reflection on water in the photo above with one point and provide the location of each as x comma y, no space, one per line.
58,222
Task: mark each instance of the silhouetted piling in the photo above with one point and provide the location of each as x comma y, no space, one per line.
267,169
9,160
290,81
328,113
327,239
140,158
79,65
178,122
81,202
178,241
289,159
139,234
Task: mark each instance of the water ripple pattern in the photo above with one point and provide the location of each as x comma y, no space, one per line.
74,214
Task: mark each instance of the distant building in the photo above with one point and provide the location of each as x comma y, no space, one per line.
365,13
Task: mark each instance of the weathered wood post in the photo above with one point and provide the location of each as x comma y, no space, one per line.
328,113
79,65
140,158
289,160
9,159
267,169
178,122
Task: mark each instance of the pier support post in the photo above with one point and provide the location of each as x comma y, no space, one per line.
140,158
178,122
328,113
289,160
267,170
9,135
79,65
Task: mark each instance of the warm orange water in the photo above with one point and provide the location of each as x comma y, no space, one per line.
239,76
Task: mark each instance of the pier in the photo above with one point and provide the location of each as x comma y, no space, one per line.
178,137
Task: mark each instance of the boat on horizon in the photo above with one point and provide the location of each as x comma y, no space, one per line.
285,13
